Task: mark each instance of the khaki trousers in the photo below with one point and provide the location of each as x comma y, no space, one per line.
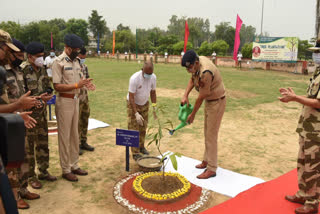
213,113
67,112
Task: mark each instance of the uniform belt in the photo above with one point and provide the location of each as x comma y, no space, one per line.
71,96
221,98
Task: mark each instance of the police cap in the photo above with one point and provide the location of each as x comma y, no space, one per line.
189,58
34,48
19,45
73,41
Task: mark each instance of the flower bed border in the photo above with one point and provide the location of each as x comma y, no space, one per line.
203,196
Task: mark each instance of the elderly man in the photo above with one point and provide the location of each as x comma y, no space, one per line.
142,84
206,78
67,80
309,132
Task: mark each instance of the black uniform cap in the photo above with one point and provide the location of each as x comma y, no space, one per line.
34,48
73,41
189,58
19,45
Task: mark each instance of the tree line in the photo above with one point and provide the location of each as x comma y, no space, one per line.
201,39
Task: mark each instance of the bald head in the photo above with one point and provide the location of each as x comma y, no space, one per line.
148,67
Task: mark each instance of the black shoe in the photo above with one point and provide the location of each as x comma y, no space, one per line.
136,156
80,151
144,151
85,146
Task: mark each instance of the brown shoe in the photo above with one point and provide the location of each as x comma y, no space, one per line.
306,210
70,177
202,165
36,184
30,196
207,174
80,172
21,204
295,199
48,177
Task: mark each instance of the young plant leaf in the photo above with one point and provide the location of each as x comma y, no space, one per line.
174,161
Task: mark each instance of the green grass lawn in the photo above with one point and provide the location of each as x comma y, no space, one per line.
108,102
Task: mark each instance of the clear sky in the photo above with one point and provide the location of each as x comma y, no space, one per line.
281,17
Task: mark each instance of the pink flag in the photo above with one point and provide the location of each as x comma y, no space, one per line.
186,35
51,41
237,38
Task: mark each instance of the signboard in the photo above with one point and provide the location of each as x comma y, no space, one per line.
275,49
127,138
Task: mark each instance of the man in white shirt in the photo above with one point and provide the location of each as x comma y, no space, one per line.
142,84
48,62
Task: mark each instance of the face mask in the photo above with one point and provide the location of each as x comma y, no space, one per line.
316,58
39,61
52,54
16,62
73,55
82,61
3,79
147,76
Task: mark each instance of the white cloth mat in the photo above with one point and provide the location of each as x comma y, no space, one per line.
226,182
93,124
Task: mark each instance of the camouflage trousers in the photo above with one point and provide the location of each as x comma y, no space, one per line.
18,178
133,125
308,171
38,147
84,113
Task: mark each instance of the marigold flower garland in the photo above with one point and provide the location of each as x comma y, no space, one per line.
161,197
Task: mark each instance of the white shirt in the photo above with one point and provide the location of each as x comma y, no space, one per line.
48,62
141,87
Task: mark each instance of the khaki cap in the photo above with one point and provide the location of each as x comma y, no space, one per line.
5,37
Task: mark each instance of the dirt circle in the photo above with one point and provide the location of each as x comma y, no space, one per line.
162,185
191,203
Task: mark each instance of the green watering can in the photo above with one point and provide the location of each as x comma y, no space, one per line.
184,112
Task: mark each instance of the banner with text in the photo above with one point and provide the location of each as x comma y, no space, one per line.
275,49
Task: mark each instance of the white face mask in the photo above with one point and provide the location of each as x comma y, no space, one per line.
316,58
52,54
39,61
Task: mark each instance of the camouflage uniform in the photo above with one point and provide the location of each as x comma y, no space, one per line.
15,89
84,108
4,97
133,124
309,152
37,82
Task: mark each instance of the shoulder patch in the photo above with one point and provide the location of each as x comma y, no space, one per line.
207,71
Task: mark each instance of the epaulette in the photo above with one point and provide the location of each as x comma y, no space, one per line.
24,65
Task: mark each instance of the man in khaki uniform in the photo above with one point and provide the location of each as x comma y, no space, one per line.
67,80
207,80
308,163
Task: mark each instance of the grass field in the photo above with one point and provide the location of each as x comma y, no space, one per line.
257,136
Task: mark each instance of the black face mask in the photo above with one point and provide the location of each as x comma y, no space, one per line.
16,62
73,55
3,79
